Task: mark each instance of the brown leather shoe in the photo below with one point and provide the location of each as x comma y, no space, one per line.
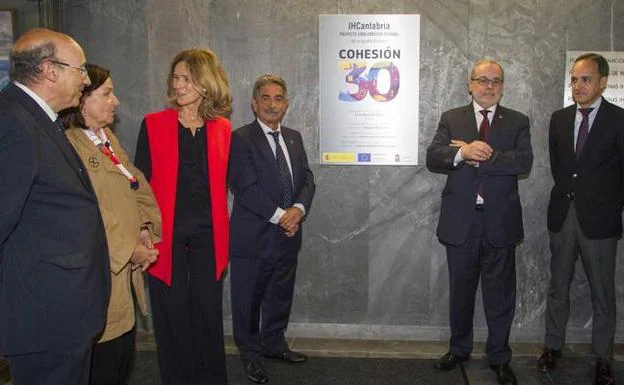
548,360
449,361
604,373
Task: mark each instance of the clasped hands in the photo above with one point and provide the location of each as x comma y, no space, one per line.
290,220
144,253
474,152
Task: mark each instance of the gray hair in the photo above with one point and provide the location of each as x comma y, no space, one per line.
486,61
266,79
25,65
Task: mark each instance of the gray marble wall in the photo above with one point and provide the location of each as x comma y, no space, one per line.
371,266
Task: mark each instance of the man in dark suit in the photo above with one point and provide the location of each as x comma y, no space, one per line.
54,269
586,145
480,216
273,189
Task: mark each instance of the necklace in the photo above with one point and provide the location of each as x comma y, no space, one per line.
189,117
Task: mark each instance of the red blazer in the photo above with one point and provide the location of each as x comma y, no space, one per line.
163,143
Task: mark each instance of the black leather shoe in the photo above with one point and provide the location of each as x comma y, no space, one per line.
504,374
449,361
287,356
604,373
255,373
548,360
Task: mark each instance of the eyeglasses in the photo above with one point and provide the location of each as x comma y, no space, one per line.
484,82
82,69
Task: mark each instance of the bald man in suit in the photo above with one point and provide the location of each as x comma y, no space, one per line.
54,264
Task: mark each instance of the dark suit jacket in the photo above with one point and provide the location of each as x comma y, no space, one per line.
596,180
510,138
54,267
253,177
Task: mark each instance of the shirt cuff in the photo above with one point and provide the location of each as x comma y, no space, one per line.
458,158
277,215
301,207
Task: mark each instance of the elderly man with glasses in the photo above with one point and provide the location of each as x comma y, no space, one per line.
54,264
482,148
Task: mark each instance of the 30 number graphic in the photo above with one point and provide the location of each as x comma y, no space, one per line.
367,84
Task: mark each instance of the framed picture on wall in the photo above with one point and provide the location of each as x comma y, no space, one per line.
7,36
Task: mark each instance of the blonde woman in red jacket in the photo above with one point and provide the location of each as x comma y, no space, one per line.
183,152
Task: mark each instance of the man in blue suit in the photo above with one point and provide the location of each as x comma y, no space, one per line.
54,264
482,148
273,188
586,146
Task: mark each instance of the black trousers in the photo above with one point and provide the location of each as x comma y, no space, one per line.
64,367
188,316
496,268
598,257
112,360
262,295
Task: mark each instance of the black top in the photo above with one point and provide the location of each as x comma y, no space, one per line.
192,206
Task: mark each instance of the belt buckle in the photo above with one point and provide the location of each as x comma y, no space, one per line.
479,206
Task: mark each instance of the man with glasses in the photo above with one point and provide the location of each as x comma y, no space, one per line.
82,68
54,265
482,148
586,143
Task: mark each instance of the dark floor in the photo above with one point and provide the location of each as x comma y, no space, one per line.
380,362
320,370
384,371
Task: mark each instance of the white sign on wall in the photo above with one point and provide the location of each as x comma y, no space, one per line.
369,87
615,86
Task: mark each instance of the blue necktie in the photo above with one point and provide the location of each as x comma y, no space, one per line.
285,177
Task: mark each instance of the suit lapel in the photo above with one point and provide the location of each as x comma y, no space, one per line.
289,139
260,138
90,151
567,135
470,123
498,122
599,124
49,128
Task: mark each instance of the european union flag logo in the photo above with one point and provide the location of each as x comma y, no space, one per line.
364,157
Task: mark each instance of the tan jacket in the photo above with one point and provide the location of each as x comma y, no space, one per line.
124,211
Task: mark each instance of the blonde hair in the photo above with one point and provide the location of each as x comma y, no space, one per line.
209,77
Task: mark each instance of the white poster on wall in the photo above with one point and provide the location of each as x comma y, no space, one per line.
368,89
615,86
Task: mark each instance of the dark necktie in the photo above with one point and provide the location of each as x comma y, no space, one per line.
484,133
484,128
285,177
583,131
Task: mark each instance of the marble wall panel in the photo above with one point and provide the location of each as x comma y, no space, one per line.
371,265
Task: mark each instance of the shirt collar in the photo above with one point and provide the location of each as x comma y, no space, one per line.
42,103
595,105
478,108
268,129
